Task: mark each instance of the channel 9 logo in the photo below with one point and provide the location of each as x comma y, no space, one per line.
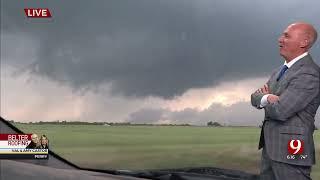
296,149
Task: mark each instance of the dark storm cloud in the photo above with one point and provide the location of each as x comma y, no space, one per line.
231,115
158,48
147,116
239,114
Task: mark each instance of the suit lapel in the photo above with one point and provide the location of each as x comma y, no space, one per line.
276,86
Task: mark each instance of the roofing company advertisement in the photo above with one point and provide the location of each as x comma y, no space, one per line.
23,146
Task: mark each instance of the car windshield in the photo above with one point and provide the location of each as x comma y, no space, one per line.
151,147
141,84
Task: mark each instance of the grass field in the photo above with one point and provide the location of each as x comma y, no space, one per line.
148,147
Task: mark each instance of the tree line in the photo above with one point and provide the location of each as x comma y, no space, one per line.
210,123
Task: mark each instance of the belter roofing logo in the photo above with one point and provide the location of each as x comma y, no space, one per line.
37,12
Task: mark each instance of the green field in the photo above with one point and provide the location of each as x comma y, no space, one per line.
157,147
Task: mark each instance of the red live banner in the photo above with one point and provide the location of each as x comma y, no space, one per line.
37,12
6,137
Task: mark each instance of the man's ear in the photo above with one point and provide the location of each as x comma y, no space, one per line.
304,43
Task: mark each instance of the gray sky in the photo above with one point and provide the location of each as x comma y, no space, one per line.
131,56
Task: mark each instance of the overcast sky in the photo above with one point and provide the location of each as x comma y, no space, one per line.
157,61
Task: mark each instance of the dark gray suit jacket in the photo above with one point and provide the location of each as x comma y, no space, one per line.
292,117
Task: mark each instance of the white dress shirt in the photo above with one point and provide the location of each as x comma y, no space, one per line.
264,99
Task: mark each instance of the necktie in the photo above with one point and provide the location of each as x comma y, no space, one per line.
283,70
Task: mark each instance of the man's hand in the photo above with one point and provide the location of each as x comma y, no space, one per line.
272,98
264,89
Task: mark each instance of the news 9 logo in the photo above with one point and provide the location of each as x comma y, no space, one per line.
295,147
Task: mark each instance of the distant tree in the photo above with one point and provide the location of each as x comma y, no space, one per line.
214,124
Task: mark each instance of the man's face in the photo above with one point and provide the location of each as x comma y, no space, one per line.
34,138
290,42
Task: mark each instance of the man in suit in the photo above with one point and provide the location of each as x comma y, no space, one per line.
290,100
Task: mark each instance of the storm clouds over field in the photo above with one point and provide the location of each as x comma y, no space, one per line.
180,61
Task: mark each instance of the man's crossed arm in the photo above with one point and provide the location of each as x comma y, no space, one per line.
261,97
300,92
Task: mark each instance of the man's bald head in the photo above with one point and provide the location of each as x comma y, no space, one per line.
308,32
35,138
296,39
